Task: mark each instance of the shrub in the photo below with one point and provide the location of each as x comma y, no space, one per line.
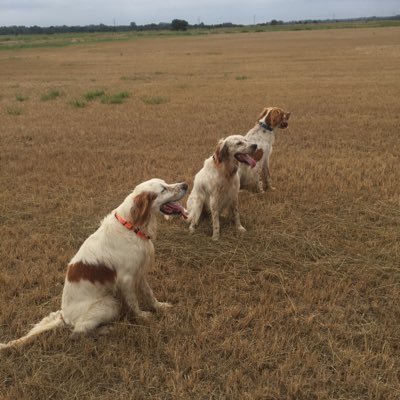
94,94
51,95
78,103
14,110
117,98
20,97
154,99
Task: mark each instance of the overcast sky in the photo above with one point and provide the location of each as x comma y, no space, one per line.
85,12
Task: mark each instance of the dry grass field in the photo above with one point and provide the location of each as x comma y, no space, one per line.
304,306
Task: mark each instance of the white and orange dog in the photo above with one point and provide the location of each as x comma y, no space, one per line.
216,185
263,134
114,259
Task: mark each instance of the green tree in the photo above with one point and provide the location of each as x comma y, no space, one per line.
179,25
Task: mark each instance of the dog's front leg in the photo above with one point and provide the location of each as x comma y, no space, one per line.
129,291
215,216
149,298
260,183
236,217
145,289
267,174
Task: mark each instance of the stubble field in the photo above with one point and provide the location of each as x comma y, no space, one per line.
304,306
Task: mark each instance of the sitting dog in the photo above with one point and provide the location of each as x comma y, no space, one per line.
216,185
263,134
113,259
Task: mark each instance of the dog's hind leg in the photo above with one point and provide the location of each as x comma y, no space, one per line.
101,312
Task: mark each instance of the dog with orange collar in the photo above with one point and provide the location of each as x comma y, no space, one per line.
114,259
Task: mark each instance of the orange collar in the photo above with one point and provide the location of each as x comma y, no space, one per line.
131,227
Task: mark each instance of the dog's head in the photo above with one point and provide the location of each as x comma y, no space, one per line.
234,149
274,117
156,196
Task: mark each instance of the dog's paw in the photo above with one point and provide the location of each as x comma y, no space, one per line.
104,330
241,229
144,315
192,229
163,305
215,237
77,335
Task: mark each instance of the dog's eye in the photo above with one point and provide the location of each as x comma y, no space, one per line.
163,189
239,143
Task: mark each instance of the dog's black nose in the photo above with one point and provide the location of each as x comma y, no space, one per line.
254,147
184,186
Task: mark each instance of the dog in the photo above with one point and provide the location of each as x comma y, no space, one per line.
216,185
113,260
263,134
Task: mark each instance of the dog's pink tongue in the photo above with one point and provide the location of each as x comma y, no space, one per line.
245,158
175,208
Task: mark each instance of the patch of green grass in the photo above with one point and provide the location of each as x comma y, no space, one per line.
241,78
20,97
154,100
51,95
78,103
117,98
94,94
14,110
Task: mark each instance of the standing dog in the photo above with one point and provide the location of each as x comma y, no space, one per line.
263,134
216,185
113,259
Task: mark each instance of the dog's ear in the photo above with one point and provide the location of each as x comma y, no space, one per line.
262,115
274,117
287,115
140,211
257,156
222,151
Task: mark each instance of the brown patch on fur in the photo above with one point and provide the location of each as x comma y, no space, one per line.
140,212
221,152
90,272
257,156
221,158
274,117
263,113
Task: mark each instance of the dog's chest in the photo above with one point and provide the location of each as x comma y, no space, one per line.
262,138
227,188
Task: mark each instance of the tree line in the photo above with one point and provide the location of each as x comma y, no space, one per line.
176,24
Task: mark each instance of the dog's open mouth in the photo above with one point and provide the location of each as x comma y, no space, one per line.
283,125
245,159
173,209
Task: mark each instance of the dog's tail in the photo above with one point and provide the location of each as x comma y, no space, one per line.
52,321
